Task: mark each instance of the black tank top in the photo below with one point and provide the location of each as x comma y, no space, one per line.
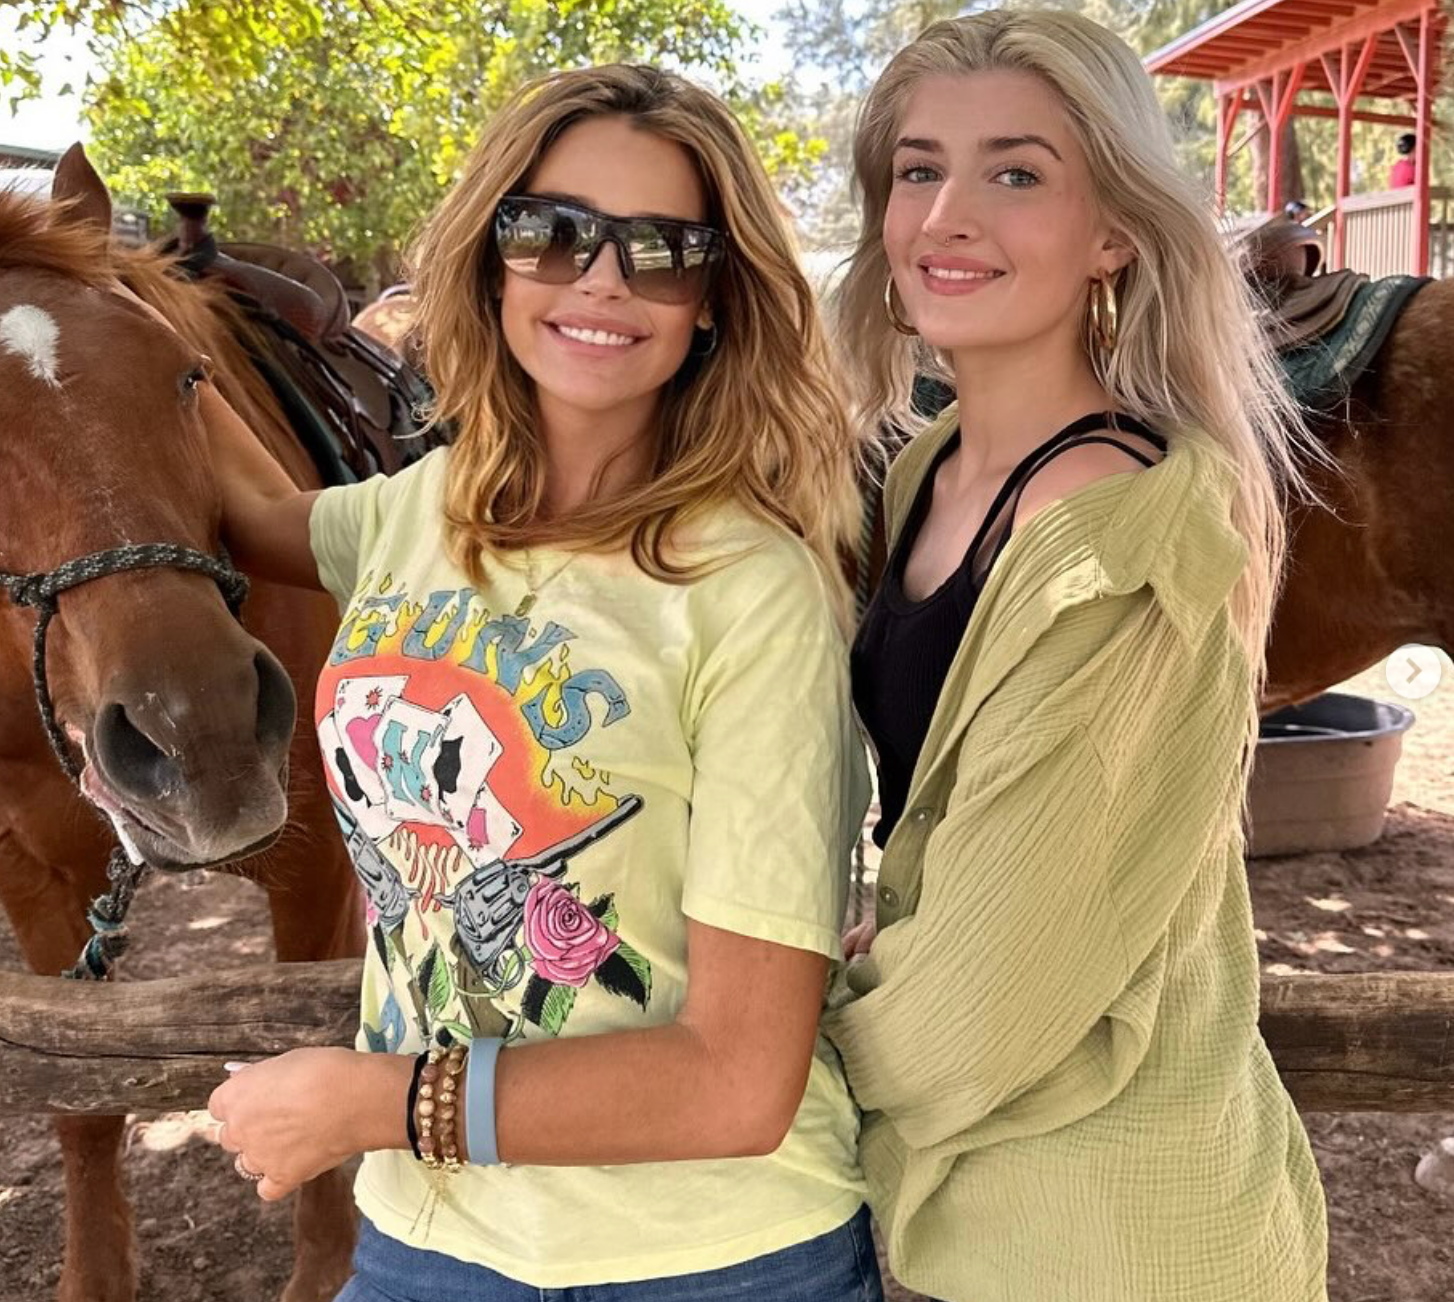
904,648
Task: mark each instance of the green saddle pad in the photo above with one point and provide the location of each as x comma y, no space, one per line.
1321,374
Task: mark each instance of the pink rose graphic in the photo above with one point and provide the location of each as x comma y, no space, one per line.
567,941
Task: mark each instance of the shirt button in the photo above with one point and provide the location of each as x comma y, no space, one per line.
888,895
921,816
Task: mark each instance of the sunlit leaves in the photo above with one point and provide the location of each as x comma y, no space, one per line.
336,124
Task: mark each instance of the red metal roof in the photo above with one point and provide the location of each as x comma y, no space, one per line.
1256,38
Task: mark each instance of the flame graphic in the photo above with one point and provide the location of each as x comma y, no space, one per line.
428,866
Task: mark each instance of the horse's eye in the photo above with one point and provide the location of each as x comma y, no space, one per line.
193,378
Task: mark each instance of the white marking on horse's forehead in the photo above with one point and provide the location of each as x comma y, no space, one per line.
32,335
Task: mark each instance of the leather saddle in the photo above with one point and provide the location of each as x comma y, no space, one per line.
1327,329
1282,258
1303,309
353,403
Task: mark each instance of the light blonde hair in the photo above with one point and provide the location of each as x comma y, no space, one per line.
758,422
1189,358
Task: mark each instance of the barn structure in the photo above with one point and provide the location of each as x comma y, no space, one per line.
1274,60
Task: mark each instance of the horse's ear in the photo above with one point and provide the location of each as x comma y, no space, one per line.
76,180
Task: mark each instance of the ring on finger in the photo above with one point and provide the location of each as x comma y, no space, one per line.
245,1171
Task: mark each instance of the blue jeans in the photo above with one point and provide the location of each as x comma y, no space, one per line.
839,1266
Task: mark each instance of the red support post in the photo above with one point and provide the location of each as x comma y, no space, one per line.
1350,83
1345,140
1277,105
1267,98
1229,106
1424,80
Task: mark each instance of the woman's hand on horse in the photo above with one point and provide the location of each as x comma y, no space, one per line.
264,513
297,1115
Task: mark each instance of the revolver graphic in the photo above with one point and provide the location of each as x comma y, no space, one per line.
489,904
382,884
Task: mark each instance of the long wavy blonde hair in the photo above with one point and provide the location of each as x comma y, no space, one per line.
1189,357
757,422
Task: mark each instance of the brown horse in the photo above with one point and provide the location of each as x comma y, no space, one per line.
182,718
1367,572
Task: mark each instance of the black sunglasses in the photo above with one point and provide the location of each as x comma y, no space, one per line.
553,241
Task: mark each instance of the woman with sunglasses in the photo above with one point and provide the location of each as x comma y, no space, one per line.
586,724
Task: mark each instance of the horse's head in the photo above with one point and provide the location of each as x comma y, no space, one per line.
181,720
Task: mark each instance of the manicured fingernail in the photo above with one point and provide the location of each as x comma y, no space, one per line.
235,1066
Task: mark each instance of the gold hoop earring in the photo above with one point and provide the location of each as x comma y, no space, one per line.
1102,314
895,320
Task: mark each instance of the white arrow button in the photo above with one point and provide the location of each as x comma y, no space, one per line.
1413,671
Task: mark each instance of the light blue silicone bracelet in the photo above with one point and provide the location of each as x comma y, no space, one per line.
479,1102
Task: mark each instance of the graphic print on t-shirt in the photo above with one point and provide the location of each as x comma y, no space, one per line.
444,730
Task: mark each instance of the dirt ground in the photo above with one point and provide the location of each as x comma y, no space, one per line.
205,1237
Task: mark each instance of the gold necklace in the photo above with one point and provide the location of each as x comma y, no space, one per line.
534,586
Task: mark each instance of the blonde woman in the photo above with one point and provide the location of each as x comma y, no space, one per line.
588,730
1053,1034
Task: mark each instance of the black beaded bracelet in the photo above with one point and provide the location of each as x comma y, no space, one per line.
410,1128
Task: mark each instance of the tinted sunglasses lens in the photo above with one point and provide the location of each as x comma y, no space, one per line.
538,241
670,264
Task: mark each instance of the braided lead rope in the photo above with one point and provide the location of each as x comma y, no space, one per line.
41,592
107,914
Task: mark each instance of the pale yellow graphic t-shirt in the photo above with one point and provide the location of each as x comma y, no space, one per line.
536,799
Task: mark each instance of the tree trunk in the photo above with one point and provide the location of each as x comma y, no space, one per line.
1291,180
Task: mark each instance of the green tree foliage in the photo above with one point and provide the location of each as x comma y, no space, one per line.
335,124
838,48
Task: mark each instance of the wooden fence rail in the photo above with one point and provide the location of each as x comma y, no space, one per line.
1374,1042
158,1046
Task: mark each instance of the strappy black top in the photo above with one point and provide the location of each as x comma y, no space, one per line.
904,648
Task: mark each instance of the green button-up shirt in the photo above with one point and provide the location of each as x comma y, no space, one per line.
1054,1038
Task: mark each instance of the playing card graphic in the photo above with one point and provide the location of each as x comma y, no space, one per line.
409,738
473,833
489,829
467,752
358,707
371,817
397,762
482,826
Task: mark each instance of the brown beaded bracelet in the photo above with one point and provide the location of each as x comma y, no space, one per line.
437,1107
